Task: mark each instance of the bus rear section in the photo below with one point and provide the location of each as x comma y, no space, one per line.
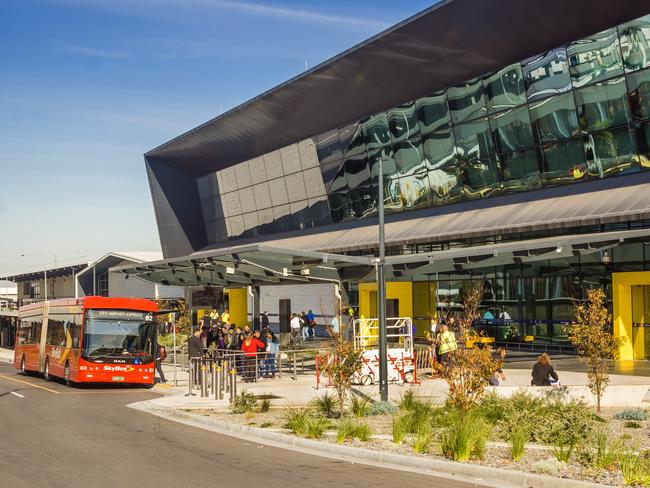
89,340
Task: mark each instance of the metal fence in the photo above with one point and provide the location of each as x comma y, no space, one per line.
213,378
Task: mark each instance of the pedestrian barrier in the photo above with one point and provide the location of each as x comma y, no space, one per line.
212,377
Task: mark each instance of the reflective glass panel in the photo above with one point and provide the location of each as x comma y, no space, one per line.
414,191
466,101
643,142
610,151
433,112
339,206
564,162
603,105
473,140
520,170
392,195
377,132
512,130
505,89
480,177
357,171
595,58
362,202
403,122
547,75
635,43
409,157
340,182
554,118
388,160
638,85
443,171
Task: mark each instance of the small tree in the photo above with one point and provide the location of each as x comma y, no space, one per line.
470,370
595,344
344,363
183,314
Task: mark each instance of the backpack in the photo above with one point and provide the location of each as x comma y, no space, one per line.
163,353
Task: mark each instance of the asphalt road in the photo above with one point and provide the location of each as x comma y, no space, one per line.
55,436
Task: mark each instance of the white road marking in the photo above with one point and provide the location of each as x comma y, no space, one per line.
17,394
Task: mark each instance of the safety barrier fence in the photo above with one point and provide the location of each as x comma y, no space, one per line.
213,378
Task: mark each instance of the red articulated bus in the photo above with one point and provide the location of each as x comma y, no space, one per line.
88,340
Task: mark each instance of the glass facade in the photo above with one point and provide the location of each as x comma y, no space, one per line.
578,112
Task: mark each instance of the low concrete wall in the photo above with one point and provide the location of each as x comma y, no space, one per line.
614,396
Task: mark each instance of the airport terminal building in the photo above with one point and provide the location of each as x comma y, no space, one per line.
515,149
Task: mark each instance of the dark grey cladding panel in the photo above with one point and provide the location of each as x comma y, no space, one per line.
178,209
449,43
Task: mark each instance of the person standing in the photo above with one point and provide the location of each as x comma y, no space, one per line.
295,328
448,345
225,317
304,325
194,352
265,320
161,355
250,346
335,326
272,350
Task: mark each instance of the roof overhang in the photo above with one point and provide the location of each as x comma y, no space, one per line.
446,44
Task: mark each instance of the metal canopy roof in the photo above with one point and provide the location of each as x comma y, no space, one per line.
250,265
256,265
446,44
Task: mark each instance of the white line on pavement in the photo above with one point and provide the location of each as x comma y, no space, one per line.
17,394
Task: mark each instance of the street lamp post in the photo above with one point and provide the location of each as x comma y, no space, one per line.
381,292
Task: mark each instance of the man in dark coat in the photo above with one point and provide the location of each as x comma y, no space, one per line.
195,350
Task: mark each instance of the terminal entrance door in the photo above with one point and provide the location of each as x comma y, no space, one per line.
641,321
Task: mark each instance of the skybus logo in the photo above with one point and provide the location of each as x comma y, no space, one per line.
124,369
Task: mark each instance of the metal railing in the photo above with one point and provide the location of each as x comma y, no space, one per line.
213,378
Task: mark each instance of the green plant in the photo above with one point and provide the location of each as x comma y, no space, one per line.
518,438
344,362
466,436
549,466
382,408
325,405
407,400
632,414
266,425
563,451
245,402
422,441
345,430
296,421
360,405
363,432
595,344
316,427
635,470
632,424
420,414
265,405
399,430
608,451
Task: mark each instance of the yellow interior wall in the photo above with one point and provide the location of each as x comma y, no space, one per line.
424,305
238,305
402,291
624,316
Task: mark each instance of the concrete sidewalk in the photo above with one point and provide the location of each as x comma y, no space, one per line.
289,392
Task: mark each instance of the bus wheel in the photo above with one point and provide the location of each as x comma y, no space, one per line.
46,370
23,368
66,374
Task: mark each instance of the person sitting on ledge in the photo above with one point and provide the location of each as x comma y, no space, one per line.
543,372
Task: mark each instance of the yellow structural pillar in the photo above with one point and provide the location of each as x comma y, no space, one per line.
628,296
238,305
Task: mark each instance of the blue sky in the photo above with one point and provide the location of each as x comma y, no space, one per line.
88,86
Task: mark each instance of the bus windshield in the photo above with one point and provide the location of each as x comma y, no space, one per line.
114,334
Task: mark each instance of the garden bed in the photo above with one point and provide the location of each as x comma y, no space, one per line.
553,431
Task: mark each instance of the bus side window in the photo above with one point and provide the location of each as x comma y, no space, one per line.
74,327
24,331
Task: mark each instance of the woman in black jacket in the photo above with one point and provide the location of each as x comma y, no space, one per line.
543,372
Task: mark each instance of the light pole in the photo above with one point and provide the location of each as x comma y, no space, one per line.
381,291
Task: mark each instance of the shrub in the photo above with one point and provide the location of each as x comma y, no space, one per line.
265,405
563,451
399,430
518,438
316,427
348,430
563,423
420,415
407,400
635,470
638,414
465,437
296,421
344,364
245,402
360,405
632,424
382,408
608,451
325,405
549,466
422,441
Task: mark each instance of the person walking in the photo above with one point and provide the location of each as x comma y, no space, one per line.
304,326
448,345
335,326
295,329
161,355
194,352
265,321
543,372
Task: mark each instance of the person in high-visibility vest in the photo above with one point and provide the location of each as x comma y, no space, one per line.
447,346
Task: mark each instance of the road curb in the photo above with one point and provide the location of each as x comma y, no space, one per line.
472,473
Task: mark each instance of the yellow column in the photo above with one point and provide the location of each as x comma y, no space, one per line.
624,315
238,305
395,290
